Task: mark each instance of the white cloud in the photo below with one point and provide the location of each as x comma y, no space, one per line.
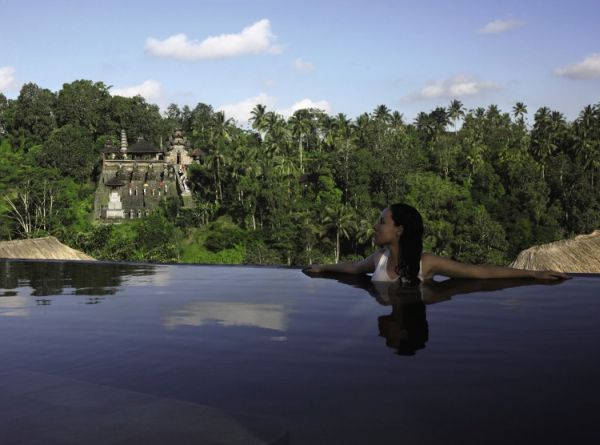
254,39
589,68
435,89
7,78
303,66
306,103
241,111
149,89
499,26
460,86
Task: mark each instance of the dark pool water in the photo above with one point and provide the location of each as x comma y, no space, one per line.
333,358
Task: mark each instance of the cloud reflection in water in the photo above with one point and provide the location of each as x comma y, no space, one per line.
261,315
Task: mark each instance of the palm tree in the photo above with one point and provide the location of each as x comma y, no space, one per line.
340,219
277,135
300,126
424,125
258,117
519,111
310,232
397,121
220,137
542,143
223,127
456,110
381,113
363,127
212,161
587,138
248,179
440,118
342,140
381,119
326,130
493,113
558,120
365,230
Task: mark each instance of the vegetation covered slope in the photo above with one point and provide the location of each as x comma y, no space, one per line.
306,188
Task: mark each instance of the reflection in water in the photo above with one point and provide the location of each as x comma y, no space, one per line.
53,277
262,315
20,279
405,329
16,306
93,300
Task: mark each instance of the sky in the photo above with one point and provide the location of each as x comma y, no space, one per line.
340,56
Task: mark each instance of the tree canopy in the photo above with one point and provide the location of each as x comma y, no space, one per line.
306,188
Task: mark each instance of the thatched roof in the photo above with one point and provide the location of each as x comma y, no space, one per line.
47,248
578,255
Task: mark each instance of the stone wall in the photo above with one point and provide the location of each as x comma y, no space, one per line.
142,188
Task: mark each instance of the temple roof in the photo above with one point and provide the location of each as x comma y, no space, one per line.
143,146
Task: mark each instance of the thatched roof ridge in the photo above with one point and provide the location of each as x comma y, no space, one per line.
578,255
47,248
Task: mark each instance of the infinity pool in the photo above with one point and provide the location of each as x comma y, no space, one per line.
316,359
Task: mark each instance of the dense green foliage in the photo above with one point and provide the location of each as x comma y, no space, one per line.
303,189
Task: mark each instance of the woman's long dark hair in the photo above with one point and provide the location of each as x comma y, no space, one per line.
411,242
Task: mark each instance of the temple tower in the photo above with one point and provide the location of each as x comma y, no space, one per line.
115,206
123,142
178,149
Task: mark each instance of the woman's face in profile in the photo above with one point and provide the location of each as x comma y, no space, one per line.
385,230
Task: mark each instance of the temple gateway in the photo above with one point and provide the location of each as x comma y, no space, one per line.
135,178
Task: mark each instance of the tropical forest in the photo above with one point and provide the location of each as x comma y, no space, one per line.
301,189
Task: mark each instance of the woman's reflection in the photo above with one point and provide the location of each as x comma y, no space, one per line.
405,329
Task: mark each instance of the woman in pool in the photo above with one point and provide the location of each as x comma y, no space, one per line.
399,232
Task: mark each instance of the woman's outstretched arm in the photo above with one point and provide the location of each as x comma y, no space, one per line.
355,267
455,269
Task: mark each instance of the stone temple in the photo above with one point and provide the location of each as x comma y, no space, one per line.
136,178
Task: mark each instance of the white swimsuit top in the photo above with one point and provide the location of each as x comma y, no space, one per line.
381,274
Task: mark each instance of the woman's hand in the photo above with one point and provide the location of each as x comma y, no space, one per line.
550,275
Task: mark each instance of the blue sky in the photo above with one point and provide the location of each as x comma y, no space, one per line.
342,56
